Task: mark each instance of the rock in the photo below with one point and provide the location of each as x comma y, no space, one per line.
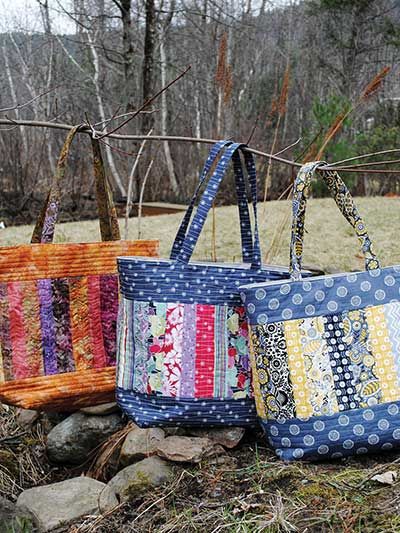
134,479
101,410
187,449
228,437
140,443
59,504
26,417
73,439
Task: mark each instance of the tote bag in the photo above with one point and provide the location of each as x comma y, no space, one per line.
58,307
183,339
325,351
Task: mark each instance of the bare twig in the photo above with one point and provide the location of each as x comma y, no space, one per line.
128,137
288,147
25,104
141,198
372,154
146,103
130,184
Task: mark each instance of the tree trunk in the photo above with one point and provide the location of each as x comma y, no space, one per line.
128,54
148,61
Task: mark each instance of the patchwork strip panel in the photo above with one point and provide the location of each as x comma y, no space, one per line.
55,326
327,364
183,350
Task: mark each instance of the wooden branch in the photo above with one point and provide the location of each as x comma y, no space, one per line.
126,137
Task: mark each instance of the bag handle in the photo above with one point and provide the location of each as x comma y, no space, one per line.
207,199
47,219
345,203
244,216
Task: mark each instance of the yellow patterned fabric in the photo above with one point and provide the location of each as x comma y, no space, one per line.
297,369
382,351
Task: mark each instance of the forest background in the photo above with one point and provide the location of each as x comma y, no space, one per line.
275,72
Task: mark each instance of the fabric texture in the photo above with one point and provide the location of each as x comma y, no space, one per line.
183,347
325,351
59,306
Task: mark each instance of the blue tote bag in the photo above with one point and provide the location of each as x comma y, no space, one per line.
326,351
183,356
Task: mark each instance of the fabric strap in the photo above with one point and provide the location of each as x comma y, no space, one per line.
230,153
345,203
45,224
245,225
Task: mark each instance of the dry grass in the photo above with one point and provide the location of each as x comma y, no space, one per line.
329,243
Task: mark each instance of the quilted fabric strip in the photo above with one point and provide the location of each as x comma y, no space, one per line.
80,330
382,350
188,352
125,374
297,369
31,310
272,371
392,316
62,325
320,296
147,410
341,365
141,332
354,432
204,372
20,362
6,350
172,349
96,330
109,312
47,326
361,358
221,388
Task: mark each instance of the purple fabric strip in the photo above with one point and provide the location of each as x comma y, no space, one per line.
62,326
47,324
109,313
5,338
188,351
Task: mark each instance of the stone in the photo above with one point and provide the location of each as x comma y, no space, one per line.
57,505
102,409
141,476
140,443
187,449
229,437
26,417
75,437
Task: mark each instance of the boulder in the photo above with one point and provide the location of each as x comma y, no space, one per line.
57,505
229,437
141,476
187,449
140,443
73,439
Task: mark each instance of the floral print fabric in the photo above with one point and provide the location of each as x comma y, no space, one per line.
174,359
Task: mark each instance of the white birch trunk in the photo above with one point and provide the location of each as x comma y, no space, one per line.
100,106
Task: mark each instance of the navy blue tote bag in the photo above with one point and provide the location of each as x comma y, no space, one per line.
183,354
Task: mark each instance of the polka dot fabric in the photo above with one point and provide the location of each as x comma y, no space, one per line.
355,432
339,349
